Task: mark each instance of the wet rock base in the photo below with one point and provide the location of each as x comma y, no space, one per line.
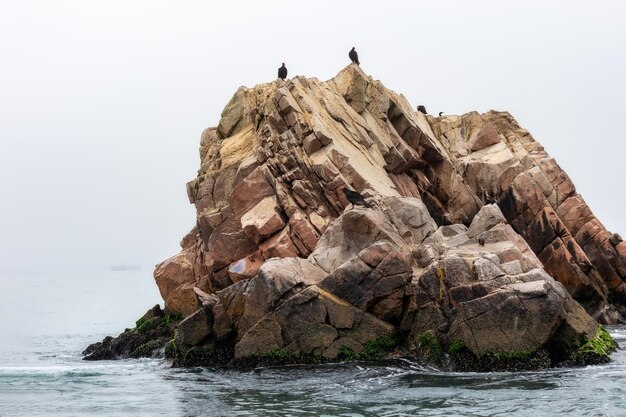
152,331
459,358
154,336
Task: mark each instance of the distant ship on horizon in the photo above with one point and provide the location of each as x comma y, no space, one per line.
120,268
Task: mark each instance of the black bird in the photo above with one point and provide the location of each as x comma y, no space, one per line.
353,197
422,109
440,113
282,72
354,57
615,239
481,241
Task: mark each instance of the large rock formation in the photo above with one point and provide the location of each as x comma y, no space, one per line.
476,243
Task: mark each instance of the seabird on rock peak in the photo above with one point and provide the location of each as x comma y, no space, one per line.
282,72
354,57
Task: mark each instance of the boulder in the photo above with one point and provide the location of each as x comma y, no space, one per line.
277,279
487,136
373,281
488,216
174,272
182,301
518,317
299,327
354,231
262,220
194,329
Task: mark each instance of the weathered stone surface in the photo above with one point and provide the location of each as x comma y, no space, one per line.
410,216
374,281
245,268
298,326
488,216
278,246
263,338
232,114
334,350
516,318
487,136
487,270
262,220
194,329
513,267
276,279
356,230
228,243
174,272
540,202
182,301
457,271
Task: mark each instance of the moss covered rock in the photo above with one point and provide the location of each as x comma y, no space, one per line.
153,330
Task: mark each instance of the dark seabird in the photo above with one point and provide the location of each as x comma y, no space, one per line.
440,113
353,197
481,241
615,239
282,72
422,109
354,57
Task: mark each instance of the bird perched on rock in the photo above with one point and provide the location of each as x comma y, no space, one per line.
615,239
354,57
422,109
353,197
282,72
440,113
481,241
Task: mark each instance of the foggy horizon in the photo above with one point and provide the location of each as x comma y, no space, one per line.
103,104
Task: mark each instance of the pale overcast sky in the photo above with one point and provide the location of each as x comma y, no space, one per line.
102,102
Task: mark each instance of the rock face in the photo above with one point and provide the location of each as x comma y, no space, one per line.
540,202
494,297
280,265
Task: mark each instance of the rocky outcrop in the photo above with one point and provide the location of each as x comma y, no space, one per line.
150,335
494,297
541,203
476,242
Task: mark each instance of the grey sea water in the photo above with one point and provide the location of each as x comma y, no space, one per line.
46,320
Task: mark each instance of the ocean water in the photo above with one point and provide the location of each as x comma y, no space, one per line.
46,321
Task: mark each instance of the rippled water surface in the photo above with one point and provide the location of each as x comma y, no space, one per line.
42,374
